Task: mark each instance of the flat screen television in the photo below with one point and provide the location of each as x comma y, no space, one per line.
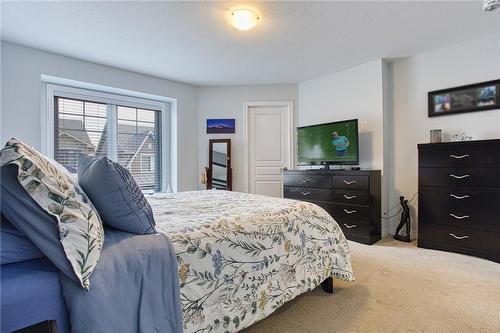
330,143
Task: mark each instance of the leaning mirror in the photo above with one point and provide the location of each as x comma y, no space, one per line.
219,164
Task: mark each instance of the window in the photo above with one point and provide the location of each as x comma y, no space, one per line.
131,136
147,163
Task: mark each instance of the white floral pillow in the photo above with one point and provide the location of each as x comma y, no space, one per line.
56,191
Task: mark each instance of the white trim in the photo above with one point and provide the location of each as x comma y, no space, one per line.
104,89
54,86
291,131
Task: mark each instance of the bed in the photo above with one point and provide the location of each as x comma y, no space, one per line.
238,257
242,256
31,293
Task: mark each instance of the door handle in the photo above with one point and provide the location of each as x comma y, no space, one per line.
283,169
459,177
459,237
350,226
459,197
459,217
349,182
350,211
305,193
349,197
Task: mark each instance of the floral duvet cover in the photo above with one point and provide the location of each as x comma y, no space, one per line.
242,256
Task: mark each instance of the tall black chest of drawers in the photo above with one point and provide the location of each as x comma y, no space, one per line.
351,197
459,197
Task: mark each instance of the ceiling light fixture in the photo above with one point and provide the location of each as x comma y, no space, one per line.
490,5
243,19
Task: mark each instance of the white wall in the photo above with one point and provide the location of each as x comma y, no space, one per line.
356,92
461,64
227,102
21,88
352,93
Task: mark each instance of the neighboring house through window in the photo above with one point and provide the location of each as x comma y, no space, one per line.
132,135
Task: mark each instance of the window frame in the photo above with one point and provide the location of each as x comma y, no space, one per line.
157,103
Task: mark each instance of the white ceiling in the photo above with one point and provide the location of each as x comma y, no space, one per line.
191,42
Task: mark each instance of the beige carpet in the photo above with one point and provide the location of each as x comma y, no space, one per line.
399,288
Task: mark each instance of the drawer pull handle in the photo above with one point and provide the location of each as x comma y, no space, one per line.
305,193
350,226
349,197
459,237
459,217
305,180
350,211
349,182
458,157
459,177
459,197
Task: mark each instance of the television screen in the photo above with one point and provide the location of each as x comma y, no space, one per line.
335,143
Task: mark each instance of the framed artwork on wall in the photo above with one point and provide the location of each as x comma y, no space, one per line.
221,126
474,97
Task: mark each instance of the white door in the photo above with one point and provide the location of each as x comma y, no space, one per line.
269,148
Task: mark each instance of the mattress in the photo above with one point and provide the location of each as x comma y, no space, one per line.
31,293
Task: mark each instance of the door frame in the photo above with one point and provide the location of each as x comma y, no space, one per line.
291,134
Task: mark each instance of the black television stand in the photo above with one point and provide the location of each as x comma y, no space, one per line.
353,198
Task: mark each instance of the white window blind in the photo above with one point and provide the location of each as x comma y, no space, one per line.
124,134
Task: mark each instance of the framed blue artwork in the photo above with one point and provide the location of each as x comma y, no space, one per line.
221,126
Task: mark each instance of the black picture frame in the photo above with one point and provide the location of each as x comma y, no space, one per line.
469,98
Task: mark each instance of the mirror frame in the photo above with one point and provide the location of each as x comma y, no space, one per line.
210,159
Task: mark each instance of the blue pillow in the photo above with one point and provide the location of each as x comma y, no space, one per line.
22,212
14,245
115,194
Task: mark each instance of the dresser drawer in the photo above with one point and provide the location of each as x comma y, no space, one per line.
351,197
461,198
350,212
318,181
463,155
351,183
460,238
354,227
346,212
308,194
460,177
354,223
460,216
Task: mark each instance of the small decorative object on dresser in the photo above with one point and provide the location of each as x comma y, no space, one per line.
436,136
459,196
351,197
461,137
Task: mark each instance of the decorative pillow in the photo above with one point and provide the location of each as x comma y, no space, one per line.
18,207
53,188
14,245
115,194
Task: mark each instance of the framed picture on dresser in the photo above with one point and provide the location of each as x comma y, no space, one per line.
470,98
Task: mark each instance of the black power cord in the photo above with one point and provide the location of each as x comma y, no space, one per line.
410,202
